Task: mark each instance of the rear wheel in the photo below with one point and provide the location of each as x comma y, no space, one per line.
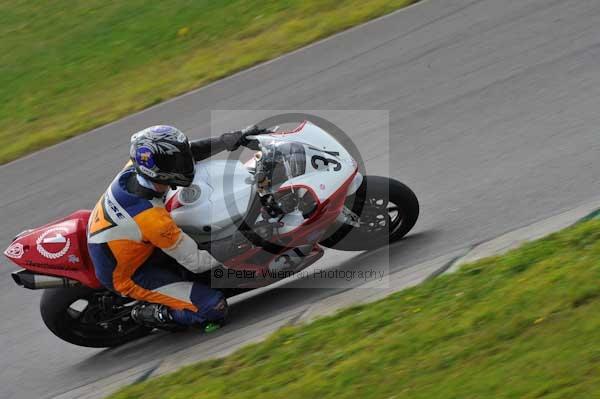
387,210
92,318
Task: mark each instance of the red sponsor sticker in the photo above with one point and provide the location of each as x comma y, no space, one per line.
15,251
52,243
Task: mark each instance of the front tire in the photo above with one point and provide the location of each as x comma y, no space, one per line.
75,315
388,210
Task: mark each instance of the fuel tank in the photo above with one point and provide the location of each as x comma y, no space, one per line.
219,197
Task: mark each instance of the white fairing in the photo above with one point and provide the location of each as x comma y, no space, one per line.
323,177
221,191
224,194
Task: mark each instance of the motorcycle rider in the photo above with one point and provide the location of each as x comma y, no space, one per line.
136,247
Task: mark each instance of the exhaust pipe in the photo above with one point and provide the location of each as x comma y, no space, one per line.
33,281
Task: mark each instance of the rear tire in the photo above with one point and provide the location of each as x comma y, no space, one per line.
88,327
381,224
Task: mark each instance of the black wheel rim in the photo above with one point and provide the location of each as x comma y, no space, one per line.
380,216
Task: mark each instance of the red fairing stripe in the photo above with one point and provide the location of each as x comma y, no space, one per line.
173,203
295,130
322,206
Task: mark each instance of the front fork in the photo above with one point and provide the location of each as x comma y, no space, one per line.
346,216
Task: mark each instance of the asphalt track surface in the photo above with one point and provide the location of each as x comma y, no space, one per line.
494,110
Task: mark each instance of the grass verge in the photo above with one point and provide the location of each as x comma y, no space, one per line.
65,69
522,325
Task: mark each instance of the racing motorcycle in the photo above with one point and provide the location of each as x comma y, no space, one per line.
299,193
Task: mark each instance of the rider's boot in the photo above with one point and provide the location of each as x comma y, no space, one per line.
154,315
159,316
222,309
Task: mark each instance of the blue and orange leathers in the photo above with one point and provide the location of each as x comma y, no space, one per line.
135,247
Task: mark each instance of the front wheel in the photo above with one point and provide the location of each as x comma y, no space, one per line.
387,210
92,318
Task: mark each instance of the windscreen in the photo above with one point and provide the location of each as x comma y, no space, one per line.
281,161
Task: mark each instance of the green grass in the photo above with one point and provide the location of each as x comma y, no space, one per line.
523,325
67,67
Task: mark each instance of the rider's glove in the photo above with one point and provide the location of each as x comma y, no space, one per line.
234,140
251,130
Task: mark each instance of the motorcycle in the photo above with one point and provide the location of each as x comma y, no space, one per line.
299,193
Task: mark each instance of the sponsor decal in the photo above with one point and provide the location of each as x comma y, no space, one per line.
147,171
15,251
44,265
114,208
100,220
143,157
73,259
52,244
